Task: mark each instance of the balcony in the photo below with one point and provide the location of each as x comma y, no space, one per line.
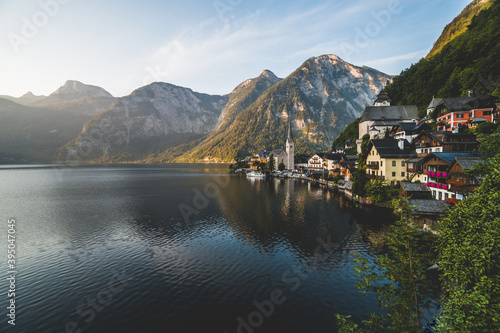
438,186
373,166
422,145
437,174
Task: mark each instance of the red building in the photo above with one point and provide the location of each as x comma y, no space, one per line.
455,113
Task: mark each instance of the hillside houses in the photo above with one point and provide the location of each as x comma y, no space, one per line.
383,117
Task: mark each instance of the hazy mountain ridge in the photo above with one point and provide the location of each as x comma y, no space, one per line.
25,99
72,91
152,118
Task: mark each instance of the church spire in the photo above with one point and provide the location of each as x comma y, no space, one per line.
290,135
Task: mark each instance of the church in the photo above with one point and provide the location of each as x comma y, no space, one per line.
285,156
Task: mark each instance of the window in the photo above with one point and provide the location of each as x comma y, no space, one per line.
460,115
394,174
402,163
393,163
433,194
486,113
470,114
402,174
381,163
446,196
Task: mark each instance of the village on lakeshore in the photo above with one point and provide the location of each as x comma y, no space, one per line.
423,160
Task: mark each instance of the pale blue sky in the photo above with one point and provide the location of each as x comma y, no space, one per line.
209,46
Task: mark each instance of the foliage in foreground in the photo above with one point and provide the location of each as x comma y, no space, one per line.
399,280
469,253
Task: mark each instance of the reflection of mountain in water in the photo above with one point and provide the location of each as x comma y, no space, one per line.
276,212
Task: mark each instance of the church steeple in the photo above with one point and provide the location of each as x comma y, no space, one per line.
290,135
290,149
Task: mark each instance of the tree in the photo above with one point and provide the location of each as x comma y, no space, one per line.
398,279
270,164
469,253
281,166
263,166
379,191
359,181
364,151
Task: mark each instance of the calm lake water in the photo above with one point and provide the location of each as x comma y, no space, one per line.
181,248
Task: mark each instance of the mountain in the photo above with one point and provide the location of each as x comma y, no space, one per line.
468,62
459,25
33,128
25,99
321,98
33,134
153,118
73,91
240,99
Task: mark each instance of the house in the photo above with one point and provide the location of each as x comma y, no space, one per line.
474,122
382,117
348,145
386,159
347,164
433,104
316,162
414,191
454,113
460,183
301,161
339,150
410,131
435,168
427,213
443,142
332,163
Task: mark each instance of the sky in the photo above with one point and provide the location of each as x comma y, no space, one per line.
210,46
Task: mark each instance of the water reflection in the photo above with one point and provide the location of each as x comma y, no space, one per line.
78,228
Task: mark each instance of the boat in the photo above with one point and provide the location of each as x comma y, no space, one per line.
256,174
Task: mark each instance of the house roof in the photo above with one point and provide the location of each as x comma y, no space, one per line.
414,187
467,163
435,102
333,156
408,127
348,185
351,157
385,123
478,120
301,158
466,103
449,157
276,152
396,112
263,154
443,137
390,148
428,207
321,155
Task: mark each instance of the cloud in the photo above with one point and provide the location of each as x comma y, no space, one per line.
384,62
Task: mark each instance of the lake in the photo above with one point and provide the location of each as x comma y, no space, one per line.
180,248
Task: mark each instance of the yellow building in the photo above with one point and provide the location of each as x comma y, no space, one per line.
386,159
